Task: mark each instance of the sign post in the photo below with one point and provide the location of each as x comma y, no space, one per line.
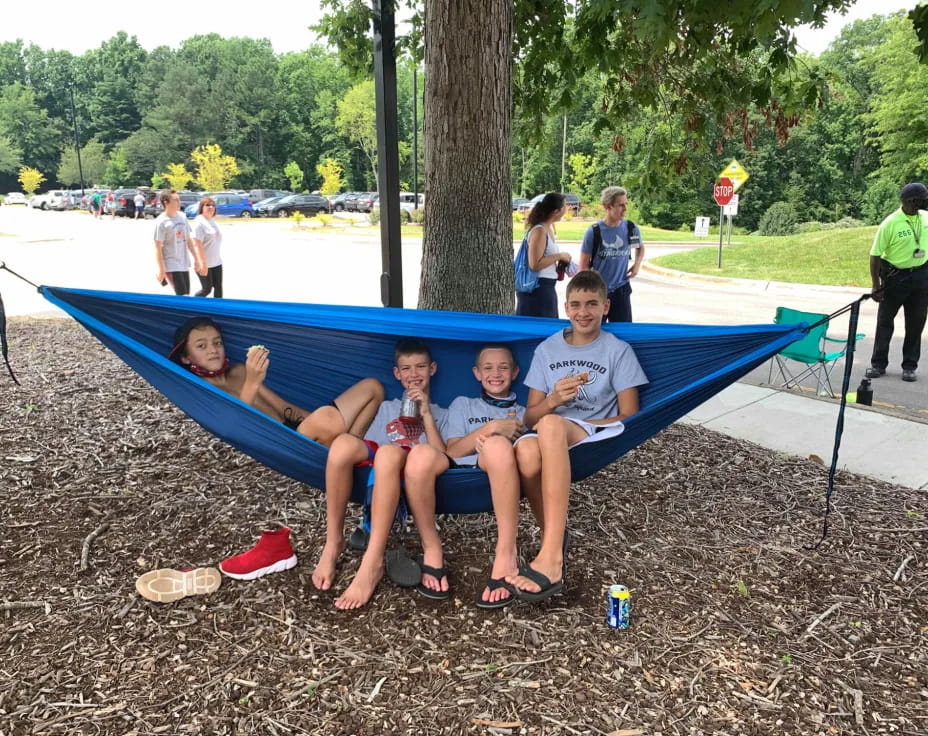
722,193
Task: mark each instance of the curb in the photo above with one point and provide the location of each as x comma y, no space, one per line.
771,287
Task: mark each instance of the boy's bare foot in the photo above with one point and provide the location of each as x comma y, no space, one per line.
324,574
552,569
503,568
362,587
434,559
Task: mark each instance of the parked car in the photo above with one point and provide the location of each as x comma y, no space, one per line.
54,199
154,208
264,205
364,202
526,207
407,204
228,204
308,204
340,203
125,200
15,198
571,200
517,202
257,195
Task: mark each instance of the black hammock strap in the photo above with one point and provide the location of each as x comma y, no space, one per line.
4,347
854,309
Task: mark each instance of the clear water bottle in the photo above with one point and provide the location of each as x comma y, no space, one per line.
409,409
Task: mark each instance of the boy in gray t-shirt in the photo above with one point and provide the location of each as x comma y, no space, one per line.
581,381
172,240
481,431
386,445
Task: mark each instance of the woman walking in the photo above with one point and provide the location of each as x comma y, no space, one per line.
543,257
206,235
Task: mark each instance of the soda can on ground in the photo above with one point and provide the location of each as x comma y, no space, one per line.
618,607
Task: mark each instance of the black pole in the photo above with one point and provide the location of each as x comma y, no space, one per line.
415,137
388,160
77,138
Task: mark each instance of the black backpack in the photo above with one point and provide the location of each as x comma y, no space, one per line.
633,237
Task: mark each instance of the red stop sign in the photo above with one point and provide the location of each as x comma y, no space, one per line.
723,191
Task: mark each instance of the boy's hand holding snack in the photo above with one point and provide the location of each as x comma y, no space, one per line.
257,363
422,398
566,389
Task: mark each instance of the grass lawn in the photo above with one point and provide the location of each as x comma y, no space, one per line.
831,258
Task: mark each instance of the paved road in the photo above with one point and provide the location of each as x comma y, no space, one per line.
274,260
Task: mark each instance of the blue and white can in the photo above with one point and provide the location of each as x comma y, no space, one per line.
618,607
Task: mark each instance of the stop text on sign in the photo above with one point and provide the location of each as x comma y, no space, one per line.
723,191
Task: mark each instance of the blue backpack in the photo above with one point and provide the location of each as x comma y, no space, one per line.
526,278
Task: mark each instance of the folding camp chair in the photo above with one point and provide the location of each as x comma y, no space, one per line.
810,351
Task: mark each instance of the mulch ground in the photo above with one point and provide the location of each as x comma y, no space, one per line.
737,627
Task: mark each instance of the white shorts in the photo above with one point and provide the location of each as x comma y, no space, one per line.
594,432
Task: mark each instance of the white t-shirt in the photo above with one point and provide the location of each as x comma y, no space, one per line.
207,232
387,427
172,233
611,366
467,413
548,272
139,200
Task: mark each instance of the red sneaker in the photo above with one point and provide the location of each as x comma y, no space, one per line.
272,553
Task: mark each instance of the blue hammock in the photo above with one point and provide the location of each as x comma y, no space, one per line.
317,351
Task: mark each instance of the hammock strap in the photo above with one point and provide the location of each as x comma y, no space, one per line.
4,348
4,267
854,308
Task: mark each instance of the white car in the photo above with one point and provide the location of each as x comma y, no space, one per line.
54,199
15,198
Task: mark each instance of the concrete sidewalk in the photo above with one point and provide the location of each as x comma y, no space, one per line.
873,443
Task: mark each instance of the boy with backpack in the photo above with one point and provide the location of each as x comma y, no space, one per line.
607,247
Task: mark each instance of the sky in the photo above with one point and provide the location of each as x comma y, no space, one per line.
284,22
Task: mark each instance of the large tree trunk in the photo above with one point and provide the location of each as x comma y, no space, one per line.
467,244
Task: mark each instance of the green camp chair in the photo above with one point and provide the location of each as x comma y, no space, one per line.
810,352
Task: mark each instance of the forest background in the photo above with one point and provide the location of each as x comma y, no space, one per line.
137,112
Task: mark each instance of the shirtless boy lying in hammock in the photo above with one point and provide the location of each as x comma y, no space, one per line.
198,346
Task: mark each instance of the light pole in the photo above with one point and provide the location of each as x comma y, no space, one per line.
77,139
415,137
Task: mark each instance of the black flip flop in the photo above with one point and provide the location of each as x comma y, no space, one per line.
438,573
496,584
543,581
402,569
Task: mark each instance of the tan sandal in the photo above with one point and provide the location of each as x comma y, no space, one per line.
167,585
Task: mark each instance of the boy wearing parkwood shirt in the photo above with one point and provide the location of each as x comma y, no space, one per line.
582,383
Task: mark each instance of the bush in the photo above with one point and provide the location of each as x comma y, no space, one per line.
779,219
843,224
325,219
375,216
298,218
593,212
813,226
418,215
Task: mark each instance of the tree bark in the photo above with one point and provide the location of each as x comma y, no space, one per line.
467,244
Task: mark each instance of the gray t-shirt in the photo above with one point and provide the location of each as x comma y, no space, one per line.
467,413
615,252
207,232
388,428
609,362
173,232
